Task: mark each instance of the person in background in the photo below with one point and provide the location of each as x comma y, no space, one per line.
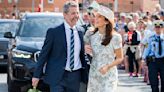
136,17
145,18
7,16
89,21
154,56
133,41
121,23
148,14
145,34
155,17
162,14
149,25
86,20
128,19
13,16
124,36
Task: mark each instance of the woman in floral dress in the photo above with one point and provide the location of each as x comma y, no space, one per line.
107,52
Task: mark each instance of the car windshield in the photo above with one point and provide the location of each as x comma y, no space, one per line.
38,26
8,27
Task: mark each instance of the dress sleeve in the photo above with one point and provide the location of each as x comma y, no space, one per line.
117,42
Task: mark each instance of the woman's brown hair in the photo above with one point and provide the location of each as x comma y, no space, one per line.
108,33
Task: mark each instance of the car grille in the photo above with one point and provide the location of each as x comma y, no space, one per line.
36,56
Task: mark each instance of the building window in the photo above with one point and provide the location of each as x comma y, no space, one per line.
51,1
9,1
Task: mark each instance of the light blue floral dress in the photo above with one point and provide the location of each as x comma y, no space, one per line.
102,55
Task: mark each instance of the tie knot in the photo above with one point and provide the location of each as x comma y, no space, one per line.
71,29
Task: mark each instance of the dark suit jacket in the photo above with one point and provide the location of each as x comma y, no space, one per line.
54,55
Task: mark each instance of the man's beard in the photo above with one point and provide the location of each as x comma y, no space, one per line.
73,19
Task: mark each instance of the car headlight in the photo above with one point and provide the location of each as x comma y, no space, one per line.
21,54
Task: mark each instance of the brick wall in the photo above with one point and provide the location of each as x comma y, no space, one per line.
149,5
123,5
129,5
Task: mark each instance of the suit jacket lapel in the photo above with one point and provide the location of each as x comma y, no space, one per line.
63,35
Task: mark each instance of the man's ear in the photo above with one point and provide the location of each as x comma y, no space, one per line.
64,14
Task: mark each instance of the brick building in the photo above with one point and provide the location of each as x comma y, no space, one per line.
9,6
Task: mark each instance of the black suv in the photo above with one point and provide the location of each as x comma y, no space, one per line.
6,25
29,40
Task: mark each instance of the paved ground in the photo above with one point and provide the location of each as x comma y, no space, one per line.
3,80
131,84
126,84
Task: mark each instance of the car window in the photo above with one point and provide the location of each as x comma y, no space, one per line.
8,27
37,27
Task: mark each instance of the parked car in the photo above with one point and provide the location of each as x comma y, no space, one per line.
29,40
6,25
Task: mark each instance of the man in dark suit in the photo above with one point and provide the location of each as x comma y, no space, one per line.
63,54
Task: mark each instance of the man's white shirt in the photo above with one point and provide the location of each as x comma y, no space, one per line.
77,47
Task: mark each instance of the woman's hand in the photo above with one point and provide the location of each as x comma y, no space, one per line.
88,49
104,69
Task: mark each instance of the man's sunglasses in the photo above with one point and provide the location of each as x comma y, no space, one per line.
158,25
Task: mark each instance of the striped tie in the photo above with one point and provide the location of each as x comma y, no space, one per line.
160,46
72,50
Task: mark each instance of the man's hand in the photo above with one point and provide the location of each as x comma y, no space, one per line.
35,82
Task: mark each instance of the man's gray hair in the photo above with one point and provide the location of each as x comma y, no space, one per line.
69,4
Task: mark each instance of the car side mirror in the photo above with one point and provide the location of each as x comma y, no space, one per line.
8,35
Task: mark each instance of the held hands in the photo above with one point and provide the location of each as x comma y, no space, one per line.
104,69
35,82
88,49
129,43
